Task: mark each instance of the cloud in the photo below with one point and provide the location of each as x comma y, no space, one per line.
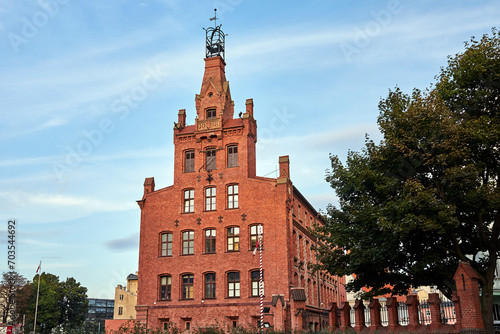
47,207
130,242
123,155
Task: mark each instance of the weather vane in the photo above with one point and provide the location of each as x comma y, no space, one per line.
214,18
215,39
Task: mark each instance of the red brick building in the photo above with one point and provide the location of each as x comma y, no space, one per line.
197,265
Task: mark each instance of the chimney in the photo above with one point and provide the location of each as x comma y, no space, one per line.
149,185
249,108
284,162
181,123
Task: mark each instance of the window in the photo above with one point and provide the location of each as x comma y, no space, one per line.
189,200
254,281
232,196
233,239
165,287
210,159
166,244
211,113
189,161
187,286
232,156
233,284
120,310
210,285
210,199
210,241
187,242
121,297
254,234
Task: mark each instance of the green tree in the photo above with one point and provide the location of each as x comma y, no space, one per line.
60,304
428,195
48,313
73,303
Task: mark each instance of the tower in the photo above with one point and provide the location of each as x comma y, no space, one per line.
197,237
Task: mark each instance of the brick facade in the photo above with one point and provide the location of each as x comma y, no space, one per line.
196,262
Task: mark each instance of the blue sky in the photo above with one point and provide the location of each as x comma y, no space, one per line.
90,91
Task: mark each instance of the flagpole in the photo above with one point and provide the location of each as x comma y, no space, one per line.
39,270
261,283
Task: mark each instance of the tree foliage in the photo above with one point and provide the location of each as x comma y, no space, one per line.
428,195
60,304
73,303
10,286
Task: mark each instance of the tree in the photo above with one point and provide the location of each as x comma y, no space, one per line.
60,304
48,313
11,283
73,303
428,195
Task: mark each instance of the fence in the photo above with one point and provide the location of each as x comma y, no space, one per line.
447,314
431,315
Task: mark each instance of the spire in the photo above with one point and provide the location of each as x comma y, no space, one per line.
214,105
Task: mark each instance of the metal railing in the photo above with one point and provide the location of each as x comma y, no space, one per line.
447,314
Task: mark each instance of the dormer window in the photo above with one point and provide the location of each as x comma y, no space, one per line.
211,113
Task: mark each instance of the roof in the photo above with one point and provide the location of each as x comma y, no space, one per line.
276,298
132,277
149,181
232,123
464,267
298,295
186,130
299,194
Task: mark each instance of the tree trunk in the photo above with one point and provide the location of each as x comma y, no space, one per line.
487,300
487,309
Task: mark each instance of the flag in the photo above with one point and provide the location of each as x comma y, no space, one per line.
213,18
39,267
256,246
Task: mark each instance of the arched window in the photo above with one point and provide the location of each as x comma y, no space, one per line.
254,235
210,159
210,235
187,242
233,239
166,244
232,156
254,283
165,285
211,113
210,199
189,161
232,196
187,281
209,285
233,284
188,200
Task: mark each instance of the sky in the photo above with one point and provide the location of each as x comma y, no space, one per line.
90,90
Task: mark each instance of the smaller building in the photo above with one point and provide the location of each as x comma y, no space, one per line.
126,298
99,310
